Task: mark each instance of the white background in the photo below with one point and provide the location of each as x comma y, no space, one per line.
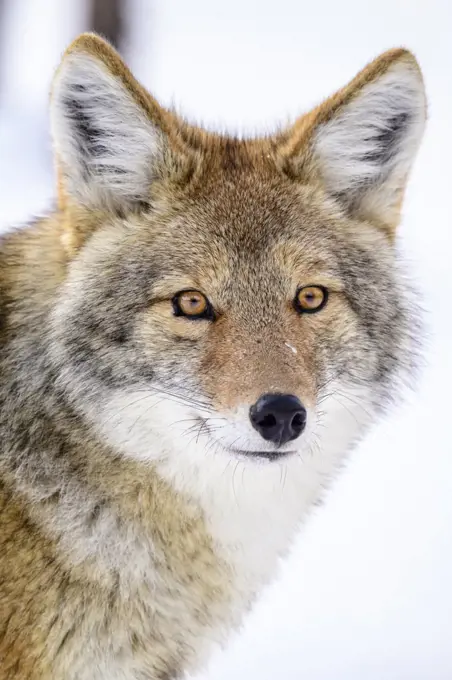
367,593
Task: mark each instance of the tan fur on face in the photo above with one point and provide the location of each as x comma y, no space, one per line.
240,368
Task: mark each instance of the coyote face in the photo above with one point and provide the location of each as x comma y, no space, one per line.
224,295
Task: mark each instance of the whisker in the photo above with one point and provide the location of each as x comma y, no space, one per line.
182,395
233,483
353,401
136,401
145,412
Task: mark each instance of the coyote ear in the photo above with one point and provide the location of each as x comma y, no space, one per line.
108,131
364,139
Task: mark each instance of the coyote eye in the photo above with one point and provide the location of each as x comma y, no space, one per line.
193,305
310,299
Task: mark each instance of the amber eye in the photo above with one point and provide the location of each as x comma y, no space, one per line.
192,304
310,299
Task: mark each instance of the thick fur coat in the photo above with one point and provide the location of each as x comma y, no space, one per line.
141,509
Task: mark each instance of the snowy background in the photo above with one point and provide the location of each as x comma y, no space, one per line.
367,593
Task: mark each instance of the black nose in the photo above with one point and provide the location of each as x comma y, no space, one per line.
278,418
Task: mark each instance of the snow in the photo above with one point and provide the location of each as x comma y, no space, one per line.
367,592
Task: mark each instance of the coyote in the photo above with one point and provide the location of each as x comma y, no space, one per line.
190,343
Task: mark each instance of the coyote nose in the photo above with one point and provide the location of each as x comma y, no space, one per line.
278,418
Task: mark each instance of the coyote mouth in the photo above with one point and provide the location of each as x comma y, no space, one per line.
247,453
264,455
270,456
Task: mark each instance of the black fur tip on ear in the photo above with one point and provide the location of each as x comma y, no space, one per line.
105,141
366,147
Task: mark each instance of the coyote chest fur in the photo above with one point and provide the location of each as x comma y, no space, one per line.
189,345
